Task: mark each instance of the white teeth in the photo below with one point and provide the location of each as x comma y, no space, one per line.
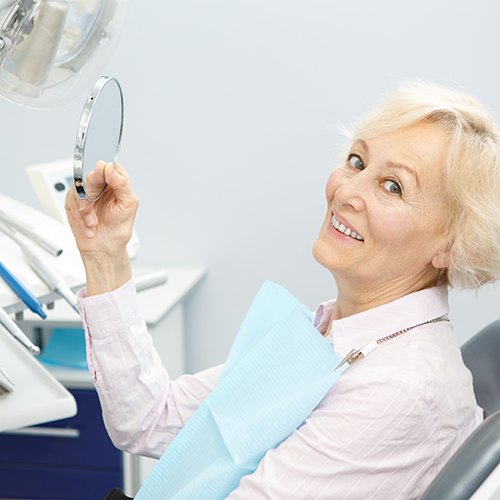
346,230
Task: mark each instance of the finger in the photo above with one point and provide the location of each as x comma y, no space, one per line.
121,170
71,204
95,181
80,208
75,218
87,212
70,201
118,180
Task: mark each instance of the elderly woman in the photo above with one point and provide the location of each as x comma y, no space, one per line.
412,209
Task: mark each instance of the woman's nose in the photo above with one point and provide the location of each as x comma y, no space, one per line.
351,193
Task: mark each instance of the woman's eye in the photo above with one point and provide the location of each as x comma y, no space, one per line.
355,161
393,187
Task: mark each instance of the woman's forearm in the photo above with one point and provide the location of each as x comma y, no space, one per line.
105,274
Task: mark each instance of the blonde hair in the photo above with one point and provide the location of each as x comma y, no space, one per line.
472,186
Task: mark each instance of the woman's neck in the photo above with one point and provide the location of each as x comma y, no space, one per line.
353,298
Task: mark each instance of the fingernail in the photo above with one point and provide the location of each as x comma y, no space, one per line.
89,233
89,220
82,204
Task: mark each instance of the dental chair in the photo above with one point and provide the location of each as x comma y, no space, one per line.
117,494
479,455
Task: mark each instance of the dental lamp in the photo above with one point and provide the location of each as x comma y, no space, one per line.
52,50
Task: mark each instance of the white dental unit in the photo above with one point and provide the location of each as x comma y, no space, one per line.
36,395
50,51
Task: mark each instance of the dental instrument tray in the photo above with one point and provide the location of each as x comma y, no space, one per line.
35,396
6,384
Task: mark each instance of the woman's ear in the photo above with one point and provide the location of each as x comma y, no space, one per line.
441,260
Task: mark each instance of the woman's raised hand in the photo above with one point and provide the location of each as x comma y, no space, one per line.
103,228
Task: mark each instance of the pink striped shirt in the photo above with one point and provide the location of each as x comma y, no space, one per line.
384,429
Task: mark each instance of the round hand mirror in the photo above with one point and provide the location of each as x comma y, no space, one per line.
99,134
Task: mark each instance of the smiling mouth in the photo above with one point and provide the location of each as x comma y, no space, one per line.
345,230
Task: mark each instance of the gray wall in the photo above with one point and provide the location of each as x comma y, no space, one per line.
232,113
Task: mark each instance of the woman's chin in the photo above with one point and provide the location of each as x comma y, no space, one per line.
325,256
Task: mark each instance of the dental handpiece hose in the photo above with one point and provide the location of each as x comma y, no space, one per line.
43,269
31,233
9,324
50,277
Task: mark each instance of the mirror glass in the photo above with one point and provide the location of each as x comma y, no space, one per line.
99,133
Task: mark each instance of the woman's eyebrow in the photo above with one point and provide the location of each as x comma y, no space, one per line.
391,164
412,171
363,143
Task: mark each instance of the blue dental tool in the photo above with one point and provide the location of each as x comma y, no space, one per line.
21,291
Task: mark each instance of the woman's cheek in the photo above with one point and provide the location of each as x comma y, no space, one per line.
397,226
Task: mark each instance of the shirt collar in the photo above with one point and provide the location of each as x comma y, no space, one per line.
359,329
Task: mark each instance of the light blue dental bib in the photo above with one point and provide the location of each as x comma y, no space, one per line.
278,370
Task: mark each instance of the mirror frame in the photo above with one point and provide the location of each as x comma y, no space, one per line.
81,136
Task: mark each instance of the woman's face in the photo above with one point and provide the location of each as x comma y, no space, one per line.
386,213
